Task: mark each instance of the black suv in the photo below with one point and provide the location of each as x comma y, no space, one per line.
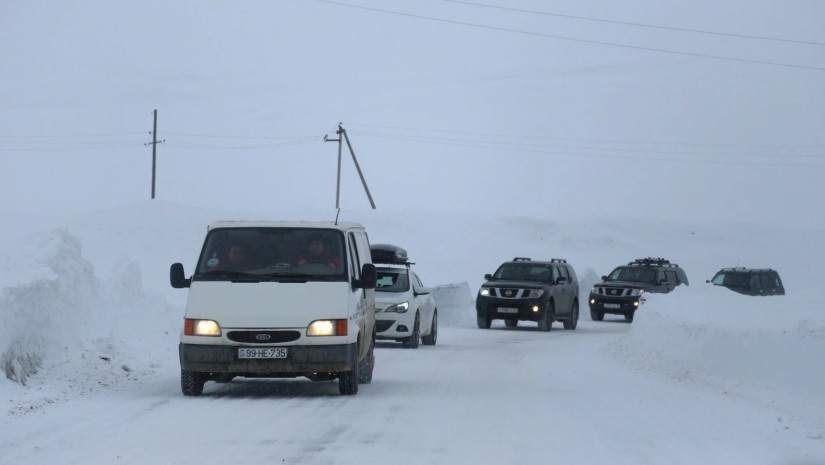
523,289
622,291
750,281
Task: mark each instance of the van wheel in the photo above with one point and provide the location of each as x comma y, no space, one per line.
348,381
574,317
429,340
191,383
367,365
596,315
511,323
415,337
484,322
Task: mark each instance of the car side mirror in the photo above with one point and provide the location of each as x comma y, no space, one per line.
707,281
488,277
422,291
604,278
561,280
369,277
663,281
177,277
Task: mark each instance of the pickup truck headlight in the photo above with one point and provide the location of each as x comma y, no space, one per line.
400,308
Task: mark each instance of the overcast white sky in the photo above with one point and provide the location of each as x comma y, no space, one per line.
519,115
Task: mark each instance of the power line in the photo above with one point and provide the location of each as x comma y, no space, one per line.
573,39
628,23
574,139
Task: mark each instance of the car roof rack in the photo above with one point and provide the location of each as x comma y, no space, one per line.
558,260
389,254
651,261
522,259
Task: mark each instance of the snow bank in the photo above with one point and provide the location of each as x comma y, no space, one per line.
766,349
54,309
455,304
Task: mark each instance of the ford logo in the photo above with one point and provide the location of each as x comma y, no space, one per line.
263,337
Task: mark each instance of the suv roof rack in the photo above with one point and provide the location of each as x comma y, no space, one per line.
389,254
521,259
651,261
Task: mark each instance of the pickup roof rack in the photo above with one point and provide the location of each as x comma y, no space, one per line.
650,261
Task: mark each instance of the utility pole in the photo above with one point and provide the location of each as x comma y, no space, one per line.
357,167
342,135
154,145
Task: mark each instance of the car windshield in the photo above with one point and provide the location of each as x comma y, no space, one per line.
392,280
633,274
272,254
523,272
730,279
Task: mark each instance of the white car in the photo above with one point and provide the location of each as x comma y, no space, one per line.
405,309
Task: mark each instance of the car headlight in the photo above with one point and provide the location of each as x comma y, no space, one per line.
596,290
193,327
327,328
400,308
637,292
536,293
484,291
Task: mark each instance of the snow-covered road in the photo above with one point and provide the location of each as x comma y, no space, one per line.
479,396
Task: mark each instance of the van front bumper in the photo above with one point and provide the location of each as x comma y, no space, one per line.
300,360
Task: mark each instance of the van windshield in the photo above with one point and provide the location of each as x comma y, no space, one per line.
272,254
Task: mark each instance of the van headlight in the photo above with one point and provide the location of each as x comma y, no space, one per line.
193,327
400,308
327,328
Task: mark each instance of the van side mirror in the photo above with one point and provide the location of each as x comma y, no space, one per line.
369,277
488,277
177,278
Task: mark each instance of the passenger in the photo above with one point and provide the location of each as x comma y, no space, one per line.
317,252
234,260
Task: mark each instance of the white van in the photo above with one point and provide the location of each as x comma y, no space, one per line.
279,300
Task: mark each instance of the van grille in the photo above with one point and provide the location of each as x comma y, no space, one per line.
263,337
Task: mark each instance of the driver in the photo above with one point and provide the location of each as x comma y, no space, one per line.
317,252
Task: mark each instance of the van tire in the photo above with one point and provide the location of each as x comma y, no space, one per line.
415,337
348,381
429,340
367,364
191,383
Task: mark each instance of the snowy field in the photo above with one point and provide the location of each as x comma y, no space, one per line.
703,375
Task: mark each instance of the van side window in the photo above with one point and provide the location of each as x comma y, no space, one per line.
354,259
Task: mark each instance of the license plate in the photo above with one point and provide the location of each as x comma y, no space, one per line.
612,306
507,310
268,352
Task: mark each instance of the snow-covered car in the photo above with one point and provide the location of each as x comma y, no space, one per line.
405,310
